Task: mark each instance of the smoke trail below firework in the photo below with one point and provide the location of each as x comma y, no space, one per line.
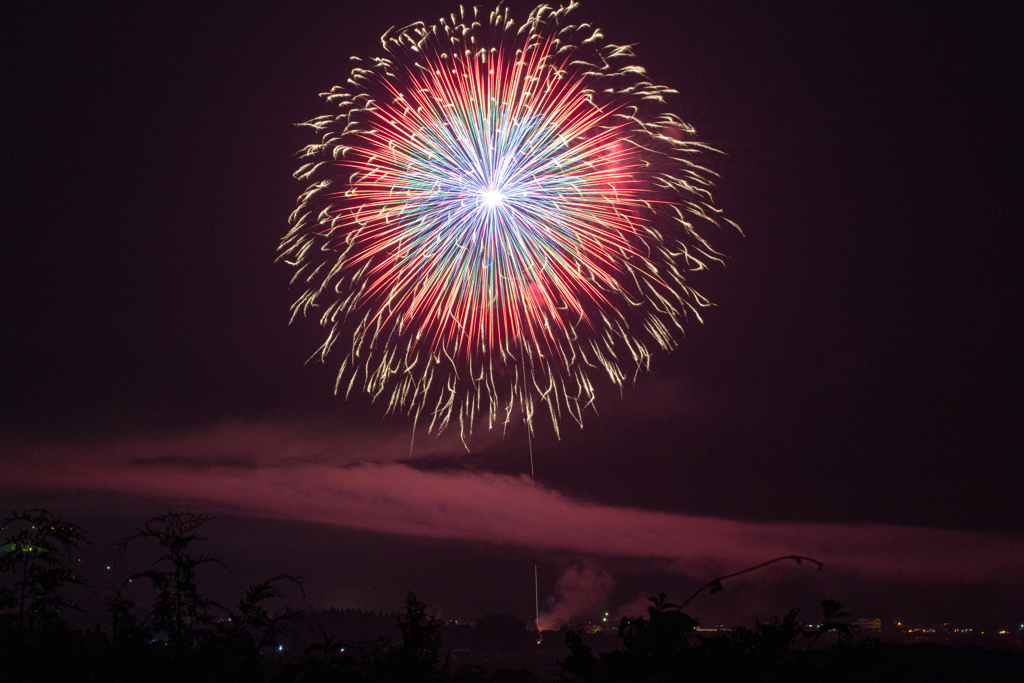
496,213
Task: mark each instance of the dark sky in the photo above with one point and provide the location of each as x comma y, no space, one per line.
855,393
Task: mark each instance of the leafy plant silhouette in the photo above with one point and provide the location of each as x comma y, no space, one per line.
180,610
419,658
36,563
186,635
664,645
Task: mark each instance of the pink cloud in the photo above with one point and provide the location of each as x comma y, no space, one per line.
399,499
580,589
253,444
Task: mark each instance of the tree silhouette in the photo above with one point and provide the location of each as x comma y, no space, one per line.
35,562
418,659
180,610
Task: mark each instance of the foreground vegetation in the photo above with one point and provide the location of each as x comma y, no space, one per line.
185,636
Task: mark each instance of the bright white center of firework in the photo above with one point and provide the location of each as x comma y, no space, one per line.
491,198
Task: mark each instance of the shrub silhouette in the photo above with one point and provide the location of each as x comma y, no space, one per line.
187,637
419,658
36,573
36,563
180,610
190,636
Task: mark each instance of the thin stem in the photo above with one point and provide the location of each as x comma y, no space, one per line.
24,590
717,582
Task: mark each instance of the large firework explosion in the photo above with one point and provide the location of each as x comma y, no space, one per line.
496,213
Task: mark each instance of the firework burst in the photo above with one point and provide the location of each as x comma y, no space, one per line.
496,213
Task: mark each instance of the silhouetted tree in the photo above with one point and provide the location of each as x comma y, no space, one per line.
35,563
418,659
187,637
36,569
180,610
657,648
204,640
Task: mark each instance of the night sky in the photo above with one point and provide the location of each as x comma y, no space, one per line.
855,394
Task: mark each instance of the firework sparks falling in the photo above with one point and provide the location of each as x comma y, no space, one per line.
496,213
